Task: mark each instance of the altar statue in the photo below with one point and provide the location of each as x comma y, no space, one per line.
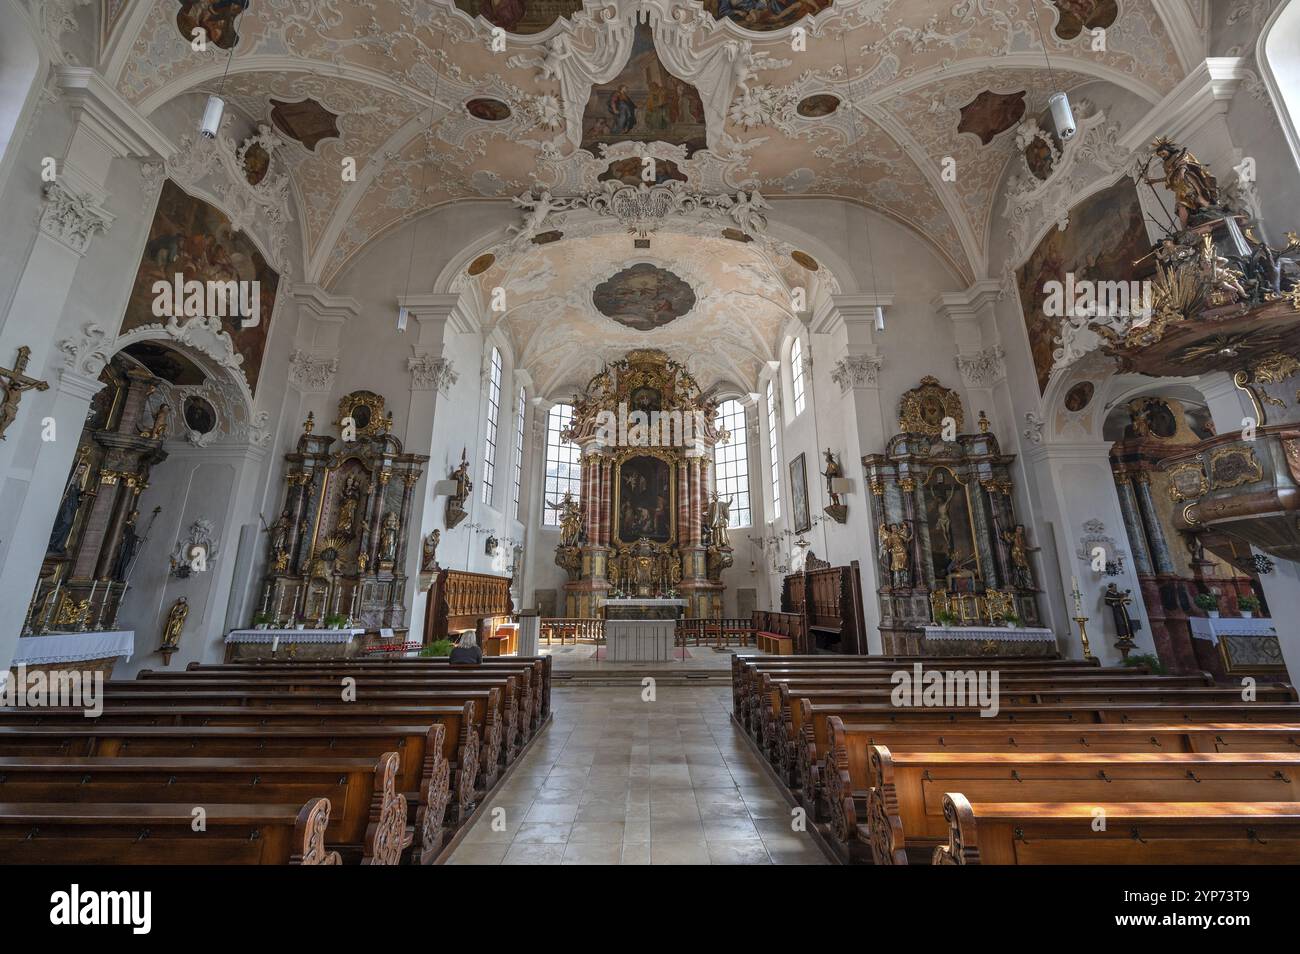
388,538
175,624
895,553
68,507
1119,602
1018,548
718,515
345,525
429,551
1194,187
570,516
127,549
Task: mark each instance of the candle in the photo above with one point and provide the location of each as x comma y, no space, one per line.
54,602
1078,597
90,602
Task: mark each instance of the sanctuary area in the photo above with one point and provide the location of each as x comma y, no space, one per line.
853,432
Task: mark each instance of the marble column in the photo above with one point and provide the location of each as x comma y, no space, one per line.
1137,537
1164,563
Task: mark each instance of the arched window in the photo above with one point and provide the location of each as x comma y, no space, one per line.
494,413
731,463
776,455
519,451
796,376
563,469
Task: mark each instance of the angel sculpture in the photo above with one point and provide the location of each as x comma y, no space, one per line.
537,208
747,211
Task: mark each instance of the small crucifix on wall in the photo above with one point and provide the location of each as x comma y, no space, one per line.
13,382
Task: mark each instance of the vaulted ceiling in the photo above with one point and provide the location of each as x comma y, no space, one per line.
864,103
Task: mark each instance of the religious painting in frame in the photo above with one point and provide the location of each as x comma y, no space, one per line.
799,511
196,241
953,555
1106,235
644,500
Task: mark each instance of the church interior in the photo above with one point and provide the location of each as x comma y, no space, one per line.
817,432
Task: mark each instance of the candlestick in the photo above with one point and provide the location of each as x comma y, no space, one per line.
266,601
54,602
1083,636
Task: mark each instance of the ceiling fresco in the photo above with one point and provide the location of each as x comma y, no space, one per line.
434,108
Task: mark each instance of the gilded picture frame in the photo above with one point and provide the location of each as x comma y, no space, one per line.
800,515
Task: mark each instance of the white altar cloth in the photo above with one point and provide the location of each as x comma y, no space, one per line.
74,647
1212,629
1023,634
274,636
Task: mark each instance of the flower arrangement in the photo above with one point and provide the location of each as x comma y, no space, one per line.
439,647
1208,602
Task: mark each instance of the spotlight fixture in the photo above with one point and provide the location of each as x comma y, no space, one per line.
880,318
212,114
1063,116
402,315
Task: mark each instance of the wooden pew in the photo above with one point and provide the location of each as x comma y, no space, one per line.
97,833
369,818
904,817
1136,833
487,709
811,740
425,770
368,822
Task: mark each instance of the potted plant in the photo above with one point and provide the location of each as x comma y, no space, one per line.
1208,602
335,621
1011,621
261,620
945,618
439,647
1247,604
1152,663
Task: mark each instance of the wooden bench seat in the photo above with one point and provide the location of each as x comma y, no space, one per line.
424,771
357,789
1136,833
773,642
809,733
102,833
902,818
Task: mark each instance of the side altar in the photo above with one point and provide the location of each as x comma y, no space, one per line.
644,524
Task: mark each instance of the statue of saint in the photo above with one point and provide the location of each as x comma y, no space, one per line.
832,473
68,507
461,476
345,525
718,516
388,538
172,628
127,549
895,553
1119,602
429,551
1194,187
570,516
1018,549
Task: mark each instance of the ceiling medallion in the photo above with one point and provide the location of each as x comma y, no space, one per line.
816,106
481,264
990,113
643,297
487,109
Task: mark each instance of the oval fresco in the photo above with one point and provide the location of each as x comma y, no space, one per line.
821,104
643,297
806,260
488,110
764,17
481,264
1079,397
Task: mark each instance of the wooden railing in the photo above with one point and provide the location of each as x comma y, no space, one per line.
572,628
719,632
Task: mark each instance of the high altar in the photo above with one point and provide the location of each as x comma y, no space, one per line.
642,527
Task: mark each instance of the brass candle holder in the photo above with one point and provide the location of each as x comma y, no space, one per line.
1083,636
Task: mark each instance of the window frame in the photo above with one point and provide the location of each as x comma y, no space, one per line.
774,449
797,388
734,452
560,453
491,430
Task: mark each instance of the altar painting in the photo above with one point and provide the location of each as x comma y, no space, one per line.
644,500
952,541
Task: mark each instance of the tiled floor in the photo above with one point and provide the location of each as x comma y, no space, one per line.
615,780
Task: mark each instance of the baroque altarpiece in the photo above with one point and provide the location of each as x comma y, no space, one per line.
642,525
951,552
338,549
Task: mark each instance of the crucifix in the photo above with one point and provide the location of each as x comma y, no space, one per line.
12,385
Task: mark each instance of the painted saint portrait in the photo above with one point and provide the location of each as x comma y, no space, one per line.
216,18
644,103
196,241
818,105
643,297
1106,235
800,515
645,500
523,17
765,14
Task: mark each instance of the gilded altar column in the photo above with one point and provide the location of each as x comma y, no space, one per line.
878,515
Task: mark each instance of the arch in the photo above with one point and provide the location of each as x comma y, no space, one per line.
22,63
1279,62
